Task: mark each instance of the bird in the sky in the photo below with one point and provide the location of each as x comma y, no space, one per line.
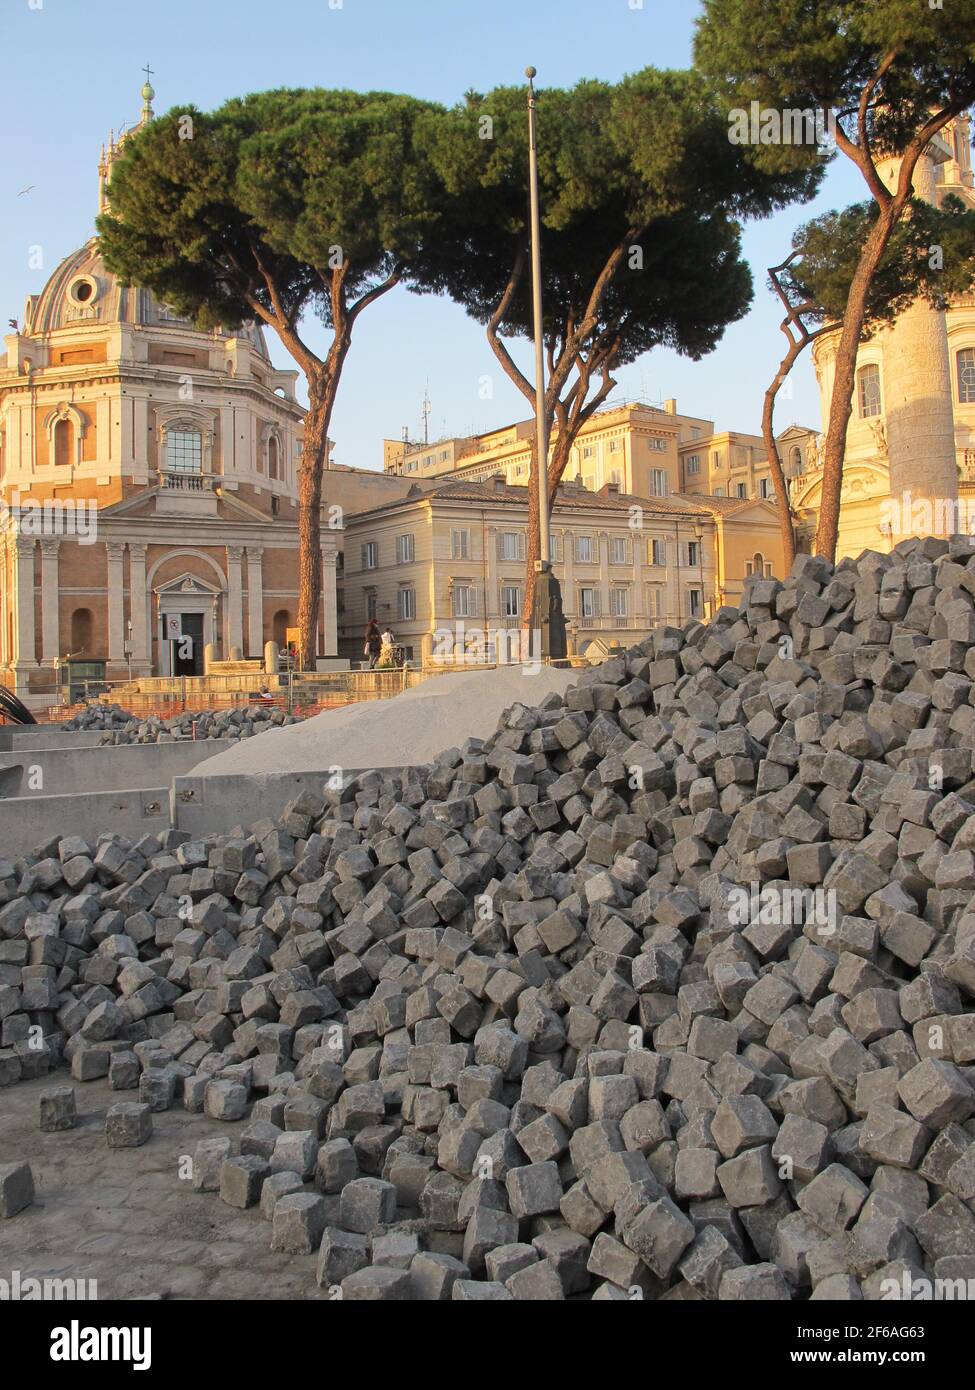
26,190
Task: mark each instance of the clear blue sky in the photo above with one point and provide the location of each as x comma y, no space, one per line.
72,71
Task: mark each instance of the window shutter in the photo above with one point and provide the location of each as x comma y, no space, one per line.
499,543
363,557
520,550
473,600
558,549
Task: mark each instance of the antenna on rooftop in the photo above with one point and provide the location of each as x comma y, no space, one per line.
425,412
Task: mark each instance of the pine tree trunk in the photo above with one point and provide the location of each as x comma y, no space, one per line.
310,469
844,383
782,506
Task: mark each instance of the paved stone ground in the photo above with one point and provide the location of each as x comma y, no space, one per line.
125,1218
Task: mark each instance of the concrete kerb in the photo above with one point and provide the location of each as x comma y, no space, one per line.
213,805
66,770
28,821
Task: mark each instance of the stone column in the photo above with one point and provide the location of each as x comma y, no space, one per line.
23,654
137,605
235,598
255,603
50,625
114,552
917,395
330,635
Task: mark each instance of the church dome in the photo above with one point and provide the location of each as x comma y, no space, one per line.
82,290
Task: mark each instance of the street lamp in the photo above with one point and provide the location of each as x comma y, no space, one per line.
547,616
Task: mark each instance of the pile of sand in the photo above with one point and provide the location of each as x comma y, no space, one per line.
410,729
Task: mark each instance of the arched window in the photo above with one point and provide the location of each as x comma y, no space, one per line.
81,630
184,451
272,457
756,565
966,376
868,390
63,441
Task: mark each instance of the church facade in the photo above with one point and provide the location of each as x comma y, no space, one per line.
148,500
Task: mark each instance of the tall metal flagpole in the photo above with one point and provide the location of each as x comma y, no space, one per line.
541,431
547,611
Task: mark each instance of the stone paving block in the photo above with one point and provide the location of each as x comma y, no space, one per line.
58,1110
16,1188
298,1223
208,1159
367,1203
241,1180
128,1125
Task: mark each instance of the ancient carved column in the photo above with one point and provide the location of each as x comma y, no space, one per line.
114,553
235,598
255,602
50,625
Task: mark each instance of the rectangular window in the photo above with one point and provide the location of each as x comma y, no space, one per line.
584,550
658,482
966,376
719,492
765,487
511,545
372,605
619,602
464,601
658,445
184,451
588,450
510,601
588,603
693,553
411,466
406,605
619,550
370,555
868,390
694,597
616,476
460,545
653,593
658,552
405,550
558,550
694,463
615,445
741,489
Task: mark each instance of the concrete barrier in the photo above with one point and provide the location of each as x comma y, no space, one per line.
29,821
14,737
214,805
62,771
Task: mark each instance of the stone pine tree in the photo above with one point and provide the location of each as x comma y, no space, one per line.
640,191
280,207
883,79
930,256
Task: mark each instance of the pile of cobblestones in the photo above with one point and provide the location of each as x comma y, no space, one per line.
664,990
121,726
